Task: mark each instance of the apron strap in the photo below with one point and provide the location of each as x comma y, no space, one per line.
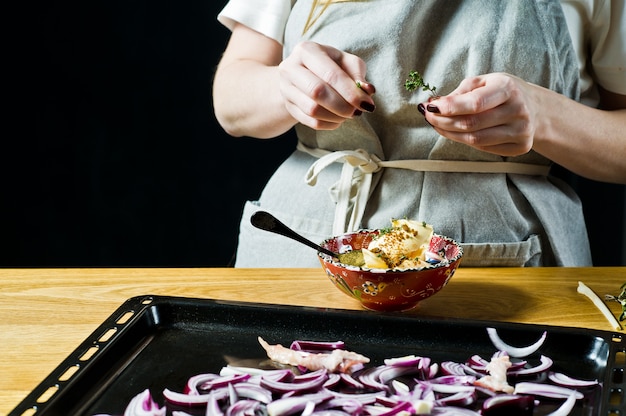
353,188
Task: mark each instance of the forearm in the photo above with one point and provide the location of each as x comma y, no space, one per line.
247,100
588,141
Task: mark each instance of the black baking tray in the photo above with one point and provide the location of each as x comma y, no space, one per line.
159,342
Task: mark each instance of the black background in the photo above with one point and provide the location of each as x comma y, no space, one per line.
111,152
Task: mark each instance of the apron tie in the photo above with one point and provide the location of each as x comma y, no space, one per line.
352,190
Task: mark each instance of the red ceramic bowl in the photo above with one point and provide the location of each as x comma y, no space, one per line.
389,289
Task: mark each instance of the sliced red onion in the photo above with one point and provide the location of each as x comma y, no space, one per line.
391,373
351,382
222,381
567,381
399,387
349,405
230,370
193,399
452,368
284,387
369,377
243,408
460,369
406,361
409,384
308,409
451,388
364,398
454,380
509,404
295,404
213,407
546,390
310,375
566,407
143,405
197,380
432,371
400,408
422,406
423,391
461,398
546,363
477,363
517,352
253,391
333,380
453,411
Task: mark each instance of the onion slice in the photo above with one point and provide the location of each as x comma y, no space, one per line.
566,407
545,365
517,352
567,381
583,289
546,390
144,405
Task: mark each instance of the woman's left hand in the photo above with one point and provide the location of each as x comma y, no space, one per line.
495,113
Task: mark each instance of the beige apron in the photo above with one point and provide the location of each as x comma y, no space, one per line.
391,164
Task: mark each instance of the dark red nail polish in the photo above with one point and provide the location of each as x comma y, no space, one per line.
421,109
433,108
357,113
369,107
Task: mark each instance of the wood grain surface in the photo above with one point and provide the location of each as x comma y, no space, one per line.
46,313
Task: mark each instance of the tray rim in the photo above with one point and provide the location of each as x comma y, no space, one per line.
139,304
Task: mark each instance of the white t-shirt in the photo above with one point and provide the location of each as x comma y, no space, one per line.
597,29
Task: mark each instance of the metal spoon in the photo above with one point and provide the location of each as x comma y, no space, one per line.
266,221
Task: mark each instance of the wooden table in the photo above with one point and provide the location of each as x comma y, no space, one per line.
46,313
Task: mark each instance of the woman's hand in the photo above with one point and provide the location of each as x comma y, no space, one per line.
322,86
505,115
495,113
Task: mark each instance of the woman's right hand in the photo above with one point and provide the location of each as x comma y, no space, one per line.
322,86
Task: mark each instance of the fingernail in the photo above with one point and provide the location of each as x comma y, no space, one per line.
433,108
369,107
370,88
421,109
357,113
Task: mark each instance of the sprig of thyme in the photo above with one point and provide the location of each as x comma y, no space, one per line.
416,81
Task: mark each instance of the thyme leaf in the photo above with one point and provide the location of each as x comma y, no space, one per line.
415,81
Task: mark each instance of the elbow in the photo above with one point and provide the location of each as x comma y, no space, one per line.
227,121
229,128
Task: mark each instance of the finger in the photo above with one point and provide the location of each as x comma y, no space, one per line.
302,107
366,86
475,96
313,122
355,67
468,84
471,122
340,71
305,90
502,140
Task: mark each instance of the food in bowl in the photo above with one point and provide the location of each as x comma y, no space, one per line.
403,246
406,264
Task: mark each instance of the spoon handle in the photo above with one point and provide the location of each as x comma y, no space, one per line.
266,221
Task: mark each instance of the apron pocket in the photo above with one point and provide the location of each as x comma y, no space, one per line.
516,254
